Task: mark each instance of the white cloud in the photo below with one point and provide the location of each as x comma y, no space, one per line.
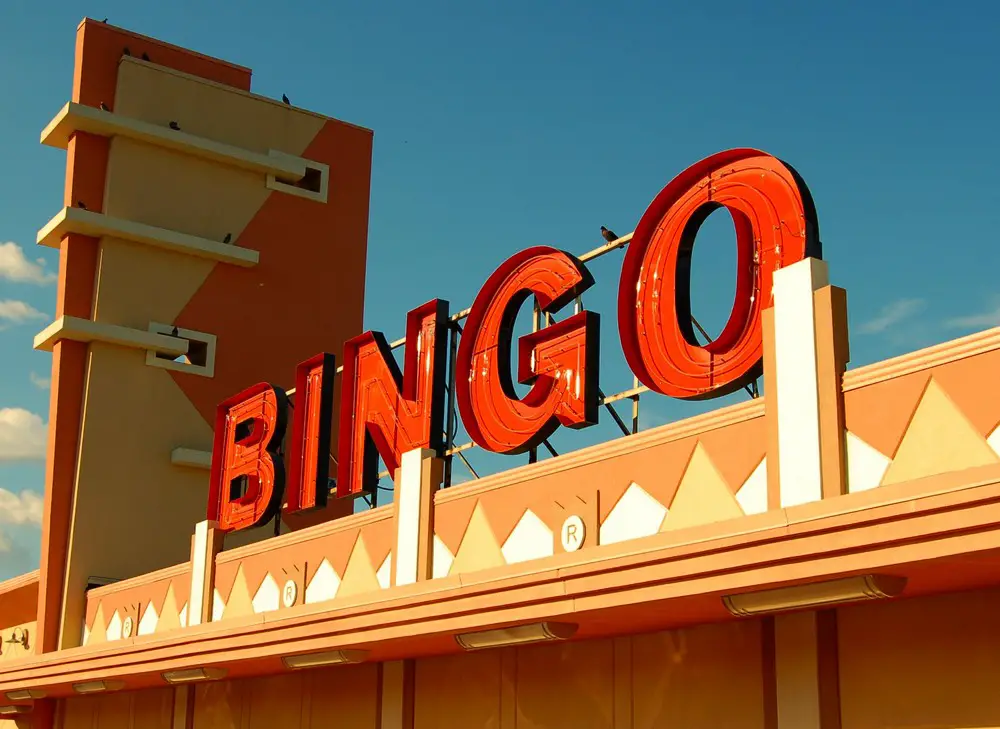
23,435
42,383
22,508
14,266
890,315
18,312
982,320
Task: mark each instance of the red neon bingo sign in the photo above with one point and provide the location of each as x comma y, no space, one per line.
385,412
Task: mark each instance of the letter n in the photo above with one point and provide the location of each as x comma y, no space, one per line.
384,412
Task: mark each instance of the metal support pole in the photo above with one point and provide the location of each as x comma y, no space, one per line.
694,321
535,325
452,416
635,406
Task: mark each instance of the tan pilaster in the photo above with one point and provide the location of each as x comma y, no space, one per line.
417,480
397,695
806,678
771,410
832,356
183,714
205,545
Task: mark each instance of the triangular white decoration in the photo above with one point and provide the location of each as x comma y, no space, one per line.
531,539
384,573
866,467
115,627
442,558
324,584
637,514
752,496
994,440
268,596
218,607
147,625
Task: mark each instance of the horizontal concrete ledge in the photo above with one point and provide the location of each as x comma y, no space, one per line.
75,117
191,458
98,225
948,517
87,330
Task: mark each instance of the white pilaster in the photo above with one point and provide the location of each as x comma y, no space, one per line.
799,460
415,489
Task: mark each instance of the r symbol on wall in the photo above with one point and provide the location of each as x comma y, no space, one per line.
573,533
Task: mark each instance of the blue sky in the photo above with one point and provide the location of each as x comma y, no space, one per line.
501,125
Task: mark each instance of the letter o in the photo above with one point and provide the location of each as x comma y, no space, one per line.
776,226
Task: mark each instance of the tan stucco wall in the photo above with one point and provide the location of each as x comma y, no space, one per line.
126,491
702,678
152,709
345,696
922,663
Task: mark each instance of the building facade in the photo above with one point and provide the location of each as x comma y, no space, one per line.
825,555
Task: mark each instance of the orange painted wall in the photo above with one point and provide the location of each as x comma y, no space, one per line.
926,662
145,709
345,696
665,679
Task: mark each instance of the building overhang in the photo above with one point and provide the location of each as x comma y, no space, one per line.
937,532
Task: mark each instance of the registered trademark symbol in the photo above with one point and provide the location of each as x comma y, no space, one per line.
289,594
573,533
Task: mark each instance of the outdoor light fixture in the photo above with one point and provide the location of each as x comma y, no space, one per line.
516,635
19,636
190,675
25,695
327,658
814,595
8,710
96,687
